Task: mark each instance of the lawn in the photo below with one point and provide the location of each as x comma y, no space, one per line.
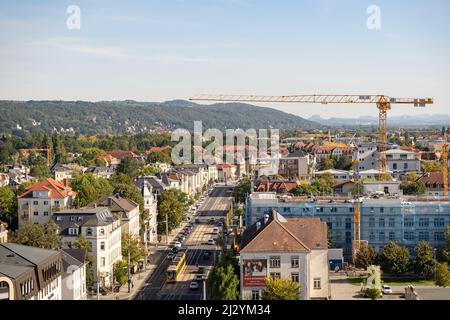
394,281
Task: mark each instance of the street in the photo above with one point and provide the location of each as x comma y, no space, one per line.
215,206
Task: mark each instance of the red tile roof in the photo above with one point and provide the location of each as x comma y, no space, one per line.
433,179
57,189
157,149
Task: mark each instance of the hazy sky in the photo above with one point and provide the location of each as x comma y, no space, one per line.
171,49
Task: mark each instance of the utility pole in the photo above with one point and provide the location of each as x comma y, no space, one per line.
167,228
129,273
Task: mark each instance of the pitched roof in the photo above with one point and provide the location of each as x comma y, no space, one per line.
285,235
57,189
121,154
433,178
157,149
73,257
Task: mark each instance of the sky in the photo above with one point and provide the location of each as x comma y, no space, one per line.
157,50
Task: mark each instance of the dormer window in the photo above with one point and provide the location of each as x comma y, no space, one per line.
89,232
72,218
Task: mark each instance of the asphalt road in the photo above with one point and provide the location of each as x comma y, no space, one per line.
214,206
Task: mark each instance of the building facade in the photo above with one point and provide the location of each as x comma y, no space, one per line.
382,220
74,275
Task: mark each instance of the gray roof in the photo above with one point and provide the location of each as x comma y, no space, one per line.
73,257
16,259
99,216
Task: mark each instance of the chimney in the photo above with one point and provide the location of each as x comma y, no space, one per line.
258,225
65,182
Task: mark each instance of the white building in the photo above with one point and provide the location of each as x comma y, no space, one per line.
338,175
295,165
402,162
150,204
367,156
102,229
74,275
294,249
42,199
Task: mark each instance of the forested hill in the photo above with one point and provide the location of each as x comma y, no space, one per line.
121,117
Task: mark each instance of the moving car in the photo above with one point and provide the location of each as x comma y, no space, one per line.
386,289
194,285
177,244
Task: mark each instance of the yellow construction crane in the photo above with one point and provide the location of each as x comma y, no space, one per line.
382,102
445,166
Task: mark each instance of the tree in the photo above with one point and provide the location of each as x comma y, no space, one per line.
173,205
121,272
130,167
82,243
89,188
242,190
325,163
373,293
424,262
430,166
44,236
322,185
131,244
223,281
395,259
280,289
148,171
366,256
442,275
160,156
8,204
413,188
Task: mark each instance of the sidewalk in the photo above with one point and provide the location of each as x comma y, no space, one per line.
138,279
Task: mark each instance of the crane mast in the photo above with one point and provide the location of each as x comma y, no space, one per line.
445,167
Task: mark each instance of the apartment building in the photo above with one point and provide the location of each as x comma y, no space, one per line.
367,156
382,220
295,165
338,175
102,229
150,205
125,209
42,199
74,275
401,162
29,273
294,248
434,182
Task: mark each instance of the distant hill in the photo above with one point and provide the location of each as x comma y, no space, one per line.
426,120
121,117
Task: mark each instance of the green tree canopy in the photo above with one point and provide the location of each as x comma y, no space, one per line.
172,204
424,262
160,156
442,275
413,188
242,190
281,289
44,236
395,259
223,281
366,256
8,204
89,188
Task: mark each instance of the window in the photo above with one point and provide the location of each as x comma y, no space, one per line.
56,202
103,261
394,166
405,166
382,209
102,231
275,275
255,294
424,222
317,284
391,236
348,223
330,225
381,236
409,222
46,213
392,222
295,277
45,203
72,218
372,222
334,209
424,236
89,232
409,235
348,237
381,222
102,245
294,262
35,203
439,222
275,262
73,231
36,213
372,236
439,236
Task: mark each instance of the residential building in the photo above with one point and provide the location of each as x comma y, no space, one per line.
294,249
338,175
401,162
367,156
344,188
382,220
265,184
65,171
295,165
102,229
29,273
3,233
125,209
381,187
38,203
434,182
4,179
102,172
150,205
74,275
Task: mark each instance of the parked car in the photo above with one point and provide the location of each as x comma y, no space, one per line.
211,241
194,285
386,289
201,270
174,250
215,230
